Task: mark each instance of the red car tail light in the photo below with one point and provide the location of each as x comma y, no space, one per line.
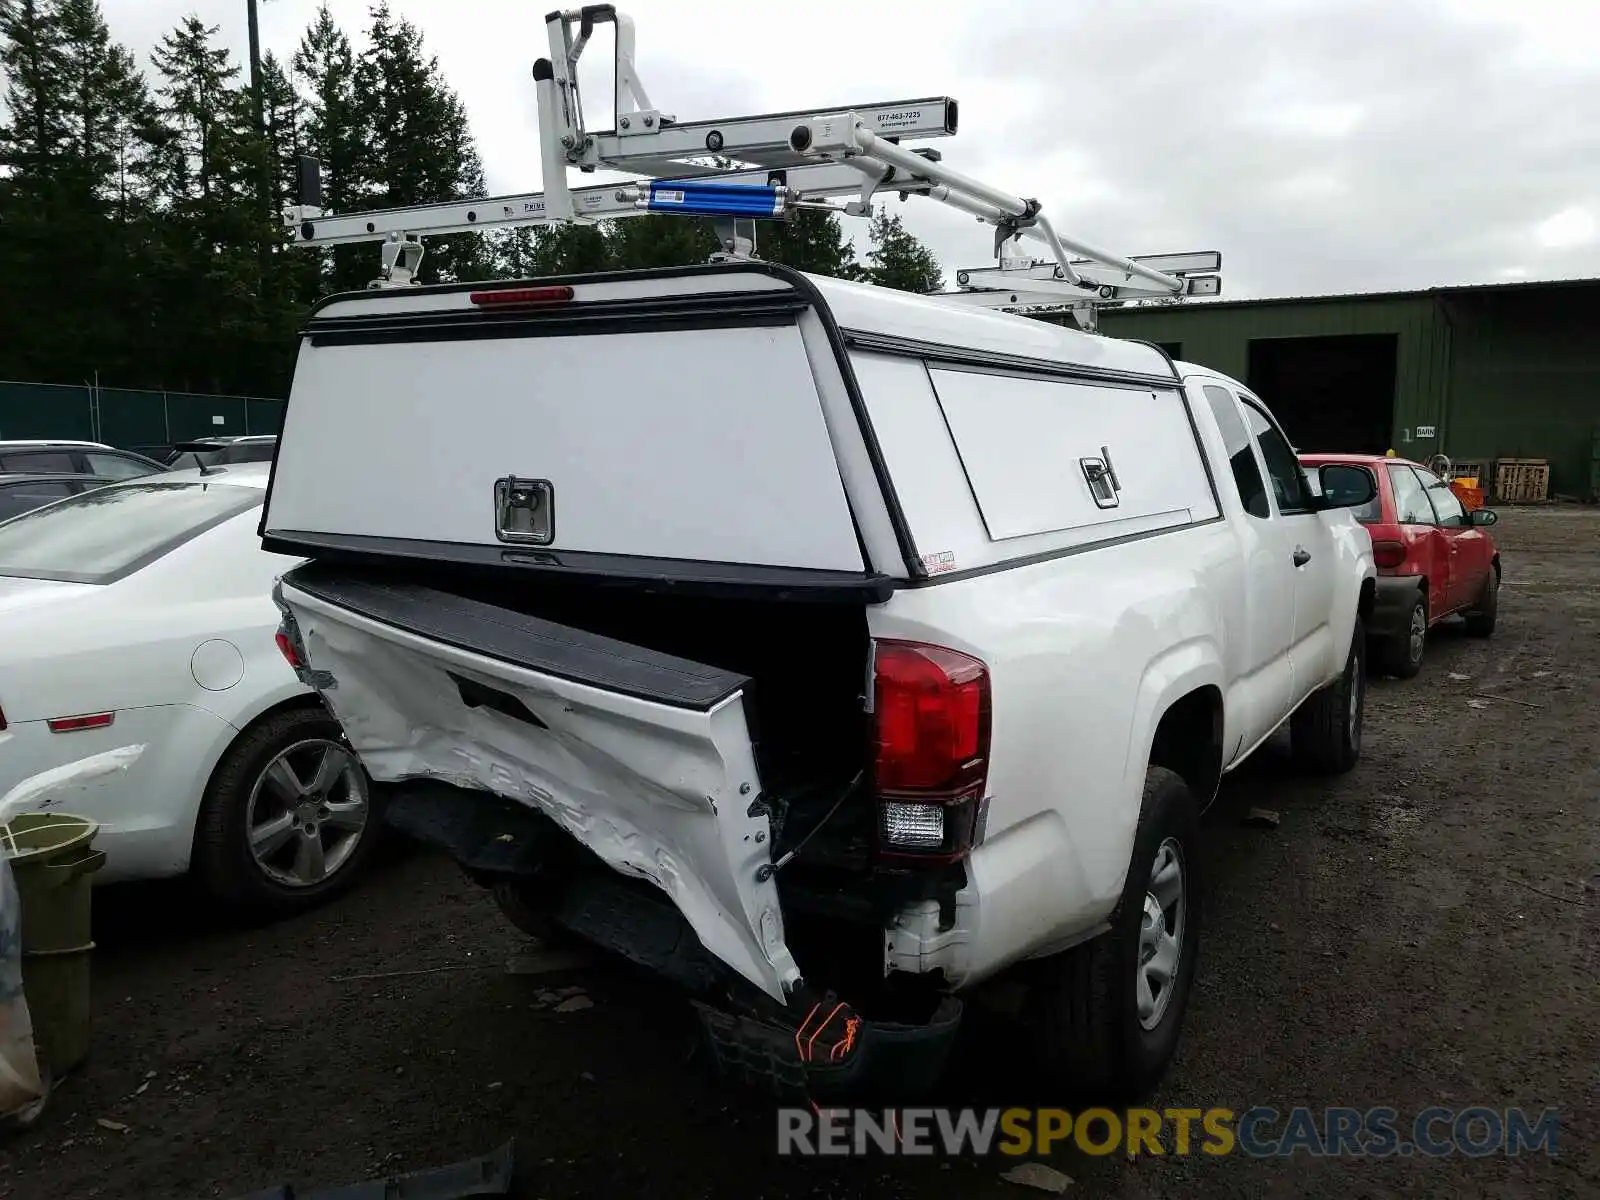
1388,554
76,724
932,713
2,720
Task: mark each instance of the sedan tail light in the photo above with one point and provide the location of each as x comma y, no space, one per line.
287,649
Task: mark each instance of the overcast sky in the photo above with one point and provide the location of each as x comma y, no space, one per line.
1320,145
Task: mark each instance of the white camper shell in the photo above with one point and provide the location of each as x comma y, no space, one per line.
855,625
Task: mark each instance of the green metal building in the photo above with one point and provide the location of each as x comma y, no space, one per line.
1481,374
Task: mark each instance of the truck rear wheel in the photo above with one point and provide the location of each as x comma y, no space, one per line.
1108,1013
1325,730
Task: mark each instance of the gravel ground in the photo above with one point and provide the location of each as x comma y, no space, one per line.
1419,932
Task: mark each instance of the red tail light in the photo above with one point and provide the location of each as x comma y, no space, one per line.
2,720
1388,554
557,294
74,724
932,715
286,648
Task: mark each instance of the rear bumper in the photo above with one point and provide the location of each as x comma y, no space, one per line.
147,811
813,1046
1392,604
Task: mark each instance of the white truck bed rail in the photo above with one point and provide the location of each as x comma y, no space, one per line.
760,167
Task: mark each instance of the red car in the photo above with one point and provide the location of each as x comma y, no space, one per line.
1434,558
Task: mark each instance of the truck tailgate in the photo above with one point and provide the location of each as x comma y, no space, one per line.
645,758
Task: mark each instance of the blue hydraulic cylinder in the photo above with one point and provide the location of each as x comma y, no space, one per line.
709,199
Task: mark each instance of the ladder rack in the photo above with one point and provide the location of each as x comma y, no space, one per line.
764,167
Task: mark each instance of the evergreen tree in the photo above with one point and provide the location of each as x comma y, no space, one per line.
337,131
637,243
75,148
31,138
107,118
31,57
282,115
899,259
206,180
537,251
811,240
101,191
422,150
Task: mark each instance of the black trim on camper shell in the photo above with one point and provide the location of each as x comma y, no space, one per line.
706,310
683,576
798,283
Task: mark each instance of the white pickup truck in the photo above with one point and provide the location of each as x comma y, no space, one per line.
829,649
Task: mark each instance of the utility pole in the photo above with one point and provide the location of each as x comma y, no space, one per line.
258,108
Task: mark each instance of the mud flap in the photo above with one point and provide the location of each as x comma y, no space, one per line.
644,758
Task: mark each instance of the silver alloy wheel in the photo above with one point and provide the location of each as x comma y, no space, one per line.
1417,634
1160,934
307,812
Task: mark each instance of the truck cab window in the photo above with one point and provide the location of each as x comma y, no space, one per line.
1236,439
1283,467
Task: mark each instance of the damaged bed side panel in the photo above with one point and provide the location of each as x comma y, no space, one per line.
645,759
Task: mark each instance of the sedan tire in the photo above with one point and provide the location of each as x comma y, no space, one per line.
289,816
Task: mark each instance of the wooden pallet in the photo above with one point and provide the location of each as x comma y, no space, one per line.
1522,480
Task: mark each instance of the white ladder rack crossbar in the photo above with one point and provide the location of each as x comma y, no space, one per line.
760,166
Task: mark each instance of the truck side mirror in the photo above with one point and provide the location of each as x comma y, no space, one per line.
1345,486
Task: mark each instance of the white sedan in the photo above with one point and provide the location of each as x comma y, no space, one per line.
140,614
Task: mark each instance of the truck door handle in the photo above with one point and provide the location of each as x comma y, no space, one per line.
1301,556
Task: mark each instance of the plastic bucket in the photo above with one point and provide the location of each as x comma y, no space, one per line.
52,858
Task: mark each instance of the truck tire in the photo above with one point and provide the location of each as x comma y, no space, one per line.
1325,731
523,910
1480,617
1105,1022
1401,654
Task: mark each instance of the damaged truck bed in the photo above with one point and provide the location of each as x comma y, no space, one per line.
628,805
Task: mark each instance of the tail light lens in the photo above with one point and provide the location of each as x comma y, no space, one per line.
931,709
286,648
1388,554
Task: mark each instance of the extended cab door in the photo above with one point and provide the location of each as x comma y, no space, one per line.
1313,654
1427,553
1261,690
